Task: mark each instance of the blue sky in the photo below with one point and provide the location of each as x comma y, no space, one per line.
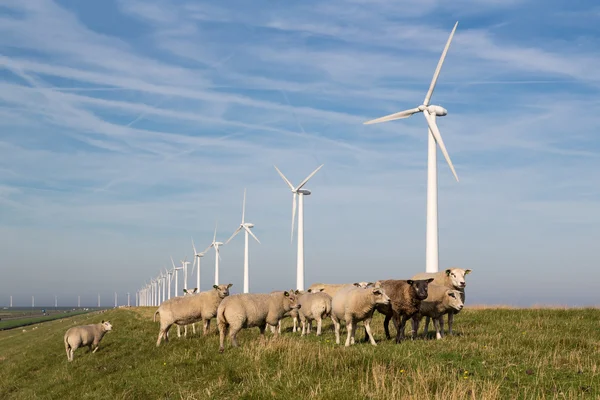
129,127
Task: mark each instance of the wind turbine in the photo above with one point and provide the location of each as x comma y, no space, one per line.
11,301
176,275
55,301
216,245
197,257
169,279
184,264
78,301
98,299
298,191
115,299
246,226
430,112
32,301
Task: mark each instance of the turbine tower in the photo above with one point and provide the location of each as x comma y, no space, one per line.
298,191
184,265
115,299
128,298
170,278
246,226
176,276
197,257
98,299
55,301
430,112
78,301
11,301
216,245
32,301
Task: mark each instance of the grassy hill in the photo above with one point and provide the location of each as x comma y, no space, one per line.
497,354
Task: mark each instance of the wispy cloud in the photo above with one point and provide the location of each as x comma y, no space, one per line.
131,136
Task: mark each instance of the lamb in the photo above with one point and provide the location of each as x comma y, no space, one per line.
185,329
453,278
247,310
353,304
185,310
406,297
440,300
85,335
314,306
332,288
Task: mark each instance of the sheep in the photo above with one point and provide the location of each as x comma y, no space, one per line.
185,310
314,306
440,300
354,304
453,278
332,288
85,335
292,313
406,297
187,292
247,310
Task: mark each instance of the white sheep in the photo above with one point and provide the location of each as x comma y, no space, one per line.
85,335
313,307
293,313
248,310
332,288
187,292
185,310
352,305
453,278
440,301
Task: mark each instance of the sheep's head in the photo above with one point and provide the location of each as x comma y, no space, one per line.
106,325
190,291
223,290
380,296
420,287
291,298
454,300
457,277
363,285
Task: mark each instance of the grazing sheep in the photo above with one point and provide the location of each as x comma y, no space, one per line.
185,310
453,278
440,300
405,301
85,335
332,288
314,306
354,304
247,310
187,292
293,313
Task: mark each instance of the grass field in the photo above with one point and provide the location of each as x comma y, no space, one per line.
32,320
496,354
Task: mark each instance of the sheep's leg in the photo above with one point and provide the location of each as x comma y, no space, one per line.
233,331
222,330
450,321
96,348
319,323
415,327
309,326
400,333
262,331
303,322
368,329
295,324
426,327
436,325
178,331
336,327
206,327
441,321
349,327
194,328
386,327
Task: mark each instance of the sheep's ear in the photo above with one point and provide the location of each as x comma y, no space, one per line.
229,285
377,291
410,281
297,291
309,290
102,322
356,284
184,290
215,286
430,280
286,293
448,271
370,284
322,290
195,290
467,271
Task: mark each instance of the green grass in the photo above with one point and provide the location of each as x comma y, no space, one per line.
25,321
496,354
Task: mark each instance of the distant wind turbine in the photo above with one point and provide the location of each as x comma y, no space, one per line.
197,257
32,301
216,246
430,112
176,276
298,191
246,226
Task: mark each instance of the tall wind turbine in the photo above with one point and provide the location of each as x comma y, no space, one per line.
115,299
128,300
98,299
176,276
55,301
246,226
169,280
32,301
298,191
78,301
184,265
11,301
197,257
216,245
430,112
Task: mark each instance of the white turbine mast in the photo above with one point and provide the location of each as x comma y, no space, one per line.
246,226
176,269
216,246
300,193
430,112
184,265
197,257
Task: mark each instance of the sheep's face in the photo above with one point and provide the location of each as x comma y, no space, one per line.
457,277
454,299
223,290
107,325
291,298
420,287
190,291
363,285
380,296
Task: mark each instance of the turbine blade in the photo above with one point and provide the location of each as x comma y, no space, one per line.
215,236
194,265
251,234
294,205
208,248
194,247
308,177
438,138
234,233
172,262
244,206
439,67
392,117
284,178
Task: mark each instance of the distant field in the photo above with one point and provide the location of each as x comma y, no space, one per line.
19,321
497,354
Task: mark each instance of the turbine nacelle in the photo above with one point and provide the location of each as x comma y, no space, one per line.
248,225
437,110
303,191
